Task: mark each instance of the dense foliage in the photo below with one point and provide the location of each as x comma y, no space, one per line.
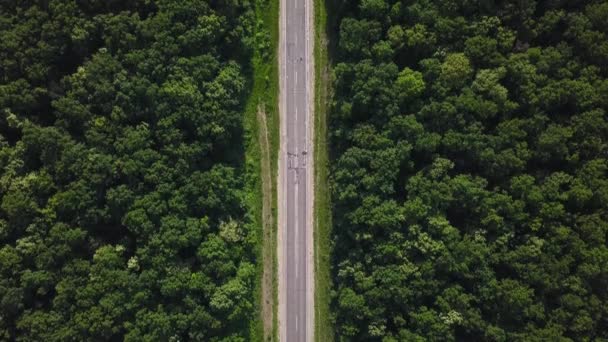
121,183
470,170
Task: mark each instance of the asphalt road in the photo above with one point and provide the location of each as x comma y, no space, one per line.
297,195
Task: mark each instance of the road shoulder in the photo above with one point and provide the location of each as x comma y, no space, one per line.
310,253
322,210
281,219
262,141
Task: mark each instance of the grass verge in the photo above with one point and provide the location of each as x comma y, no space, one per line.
322,206
261,124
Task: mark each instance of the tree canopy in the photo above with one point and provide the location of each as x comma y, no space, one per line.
122,212
469,170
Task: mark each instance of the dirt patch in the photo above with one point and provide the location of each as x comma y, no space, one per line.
267,227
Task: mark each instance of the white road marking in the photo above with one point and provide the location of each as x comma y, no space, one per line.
296,192
296,225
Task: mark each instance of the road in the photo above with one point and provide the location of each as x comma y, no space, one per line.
295,173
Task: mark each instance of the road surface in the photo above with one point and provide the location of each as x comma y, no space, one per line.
295,173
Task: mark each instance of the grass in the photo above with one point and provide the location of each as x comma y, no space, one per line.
322,206
261,125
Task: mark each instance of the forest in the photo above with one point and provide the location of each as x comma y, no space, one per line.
121,171
469,170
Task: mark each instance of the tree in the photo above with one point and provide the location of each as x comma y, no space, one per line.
468,171
122,182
